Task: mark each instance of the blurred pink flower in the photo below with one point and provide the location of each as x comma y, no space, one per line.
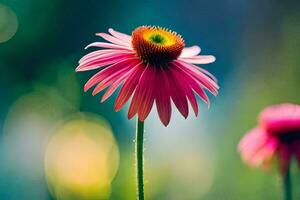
152,65
277,135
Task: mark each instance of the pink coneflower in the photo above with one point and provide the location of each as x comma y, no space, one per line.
151,65
277,135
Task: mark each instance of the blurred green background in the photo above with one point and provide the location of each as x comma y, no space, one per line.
57,142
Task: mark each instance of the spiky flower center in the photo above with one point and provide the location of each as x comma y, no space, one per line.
157,39
156,46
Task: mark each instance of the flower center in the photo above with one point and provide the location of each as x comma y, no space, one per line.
156,46
158,39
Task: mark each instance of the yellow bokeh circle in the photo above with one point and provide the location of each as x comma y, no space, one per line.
82,158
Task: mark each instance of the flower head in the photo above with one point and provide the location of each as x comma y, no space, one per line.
152,65
277,135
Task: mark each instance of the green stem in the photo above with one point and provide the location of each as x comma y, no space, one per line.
139,150
287,184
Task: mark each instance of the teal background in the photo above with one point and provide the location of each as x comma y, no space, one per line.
257,47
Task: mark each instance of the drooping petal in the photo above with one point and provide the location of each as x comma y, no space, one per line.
162,97
190,51
253,135
263,156
199,59
195,69
110,79
138,93
143,97
251,143
193,84
118,66
112,88
257,148
129,86
185,83
208,74
113,39
121,36
148,94
205,81
149,75
191,97
118,82
177,93
270,153
200,91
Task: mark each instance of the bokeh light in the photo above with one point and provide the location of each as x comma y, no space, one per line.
82,159
8,23
27,126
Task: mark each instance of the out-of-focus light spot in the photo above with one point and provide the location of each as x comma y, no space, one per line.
26,130
82,159
27,127
8,23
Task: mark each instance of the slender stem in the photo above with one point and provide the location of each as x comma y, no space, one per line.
139,150
287,184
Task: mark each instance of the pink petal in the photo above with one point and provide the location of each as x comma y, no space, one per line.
107,45
136,99
97,53
205,81
255,134
147,86
198,59
185,80
162,97
112,89
193,84
208,74
104,57
113,39
190,51
251,143
281,119
121,36
129,86
109,71
177,92
107,82
191,97
264,155
117,83
98,63
110,79
257,148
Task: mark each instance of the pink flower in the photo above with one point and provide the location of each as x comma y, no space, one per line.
277,135
152,65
